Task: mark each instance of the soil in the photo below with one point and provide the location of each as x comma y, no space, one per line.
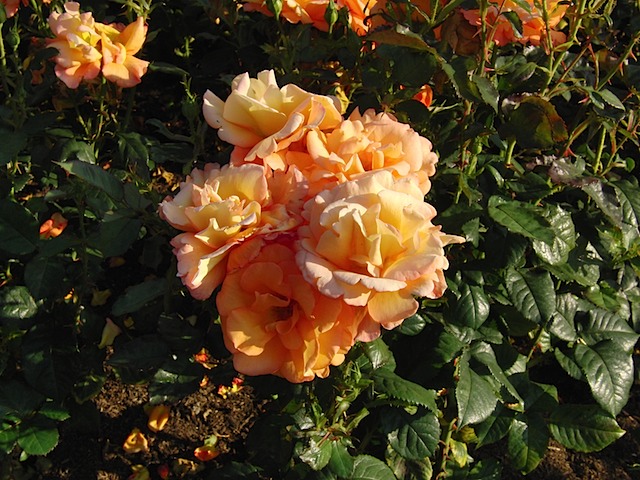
91,444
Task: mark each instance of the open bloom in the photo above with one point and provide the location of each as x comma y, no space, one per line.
363,143
260,118
273,322
218,208
371,242
76,41
533,23
119,45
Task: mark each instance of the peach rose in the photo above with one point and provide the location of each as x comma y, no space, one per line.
119,45
218,208
273,322
295,11
76,41
365,143
533,24
370,241
260,118
11,6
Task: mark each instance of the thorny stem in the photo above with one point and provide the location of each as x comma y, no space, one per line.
450,427
619,63
597,163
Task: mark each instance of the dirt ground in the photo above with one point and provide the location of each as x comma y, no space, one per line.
91,444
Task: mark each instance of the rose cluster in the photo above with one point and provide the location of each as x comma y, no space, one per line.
317,232
86,48
367,15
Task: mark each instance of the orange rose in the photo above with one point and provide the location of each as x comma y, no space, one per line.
76,41
365,143
119,45
54,226
533,24
273,322
295,11
259,118
11,6
218,208
371,242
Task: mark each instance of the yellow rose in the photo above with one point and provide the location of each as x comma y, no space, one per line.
273,322
371,242
259,118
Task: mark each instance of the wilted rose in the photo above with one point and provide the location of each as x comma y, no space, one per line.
371,242
274,322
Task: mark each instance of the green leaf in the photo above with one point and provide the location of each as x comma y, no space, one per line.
18,400
483,353
38,436
116,234
583,265
138,296
628,195
414,437
605,325
12,143
366,467
609,372
176,378
487,469
46,367
412,325
606,96
568,364
409,469
77,149
472,308
16,303
605,200
318,454
18,229
132,148
379,354
397,387
43,276
341,462
487,90
96,177
562,324
533,294
584,428
8,436
557,252
495,427
475,396
527,441
142,353
545,128
400,36
522,218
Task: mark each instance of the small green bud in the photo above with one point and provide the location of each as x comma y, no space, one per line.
275,7
331,15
